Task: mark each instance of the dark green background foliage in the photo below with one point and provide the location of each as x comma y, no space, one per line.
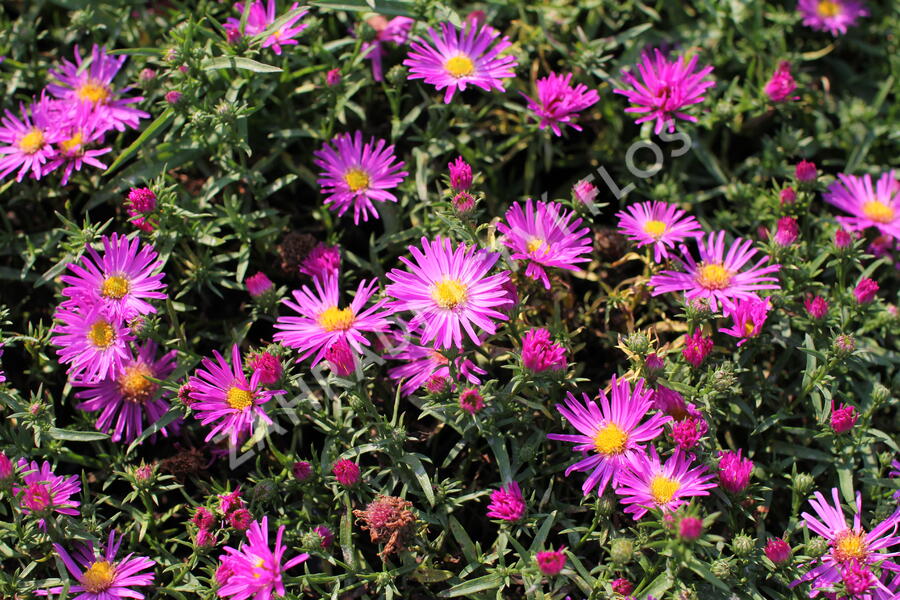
232,166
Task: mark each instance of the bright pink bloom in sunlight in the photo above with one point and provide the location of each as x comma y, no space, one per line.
507,503
559,102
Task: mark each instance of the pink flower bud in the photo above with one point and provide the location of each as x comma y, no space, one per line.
470,400
551,562
787,231
805,171
865,290
777,550
844,418
734,471
346,472
690,528
460,175
816,307
258,284
780,86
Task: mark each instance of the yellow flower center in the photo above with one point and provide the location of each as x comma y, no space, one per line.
460,66
829,8
536,243
878,211
259,563
73,144
92,91
101,334
748,328
449,293
850,545
336,319
238,399
356,179
114,287
98,577
134,385
654,228
713,277
32,141
610,440
662,489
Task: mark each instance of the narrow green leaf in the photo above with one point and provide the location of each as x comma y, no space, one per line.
479,584
76,436
238,62
156,127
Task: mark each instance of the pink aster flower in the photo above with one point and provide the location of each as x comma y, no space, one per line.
326,535
100,576
128,398
777,550
395,31
231,501
449,291
93,84
734,471
44,493
258,284
611,434
718,277
865,290
559,102
842,239
787,196
121,281
456,58
341,358
805,171
665,89
816,307
877,206
748,316
540,353
647,483
460,174
551,562
686,432
7,470
139,204
585,192
545,236
28,144
356,174
696,348
260,18
471,401
843,418
302,470
782,84
346,472
92,342
424,363
223,396
203,518
658,223
256,570
80,127
621,586
322,322
786,232
269,367
690,528
322,261
847,543
833,16
507,503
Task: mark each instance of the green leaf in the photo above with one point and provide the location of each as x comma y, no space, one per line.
845,482
394,8
479,584
418,470
154,428
77,436
238,62
156,127
463,539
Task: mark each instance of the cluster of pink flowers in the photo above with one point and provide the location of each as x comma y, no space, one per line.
103,294
260,18
67,128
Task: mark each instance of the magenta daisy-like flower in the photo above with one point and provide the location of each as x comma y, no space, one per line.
254,569
545,236
748,316
423,363
222,395
322,261
322,322
260,18
92,341
449,291
27,144
456,58
356,174
665,89
129,397
121,281
80,127
612,434
94,84
559,102
718,277
507,503
100,576
647,483
833,16
396,30
848,544
877,206
658,223
45,493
